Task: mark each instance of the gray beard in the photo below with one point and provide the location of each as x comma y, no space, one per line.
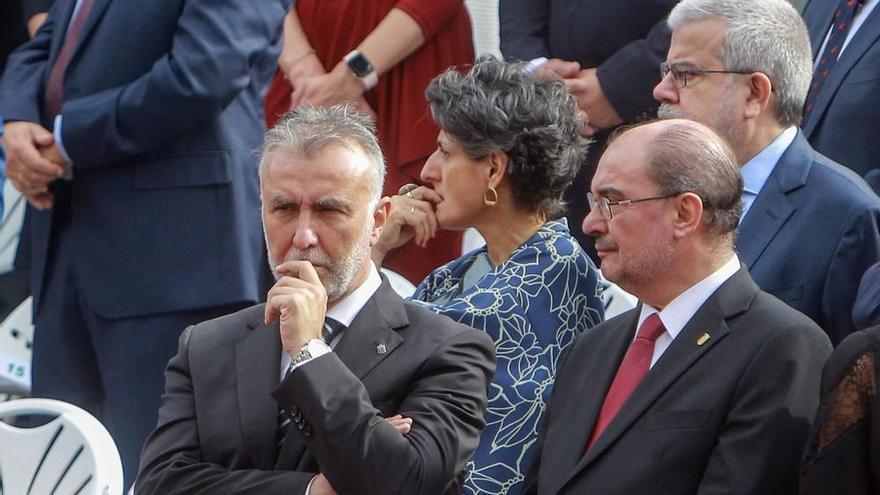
341,272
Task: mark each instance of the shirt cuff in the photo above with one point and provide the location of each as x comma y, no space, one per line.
56,131
309,486
317,348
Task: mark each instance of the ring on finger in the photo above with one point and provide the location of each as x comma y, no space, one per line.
406,190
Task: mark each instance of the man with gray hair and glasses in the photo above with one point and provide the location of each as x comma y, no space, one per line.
810,226
289,396
709,385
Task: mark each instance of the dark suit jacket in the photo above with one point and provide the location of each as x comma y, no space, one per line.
161,114
730,416
844,124
866,312
217,425
809,236
625,39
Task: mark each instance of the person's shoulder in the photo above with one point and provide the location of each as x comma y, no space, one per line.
841,185
770,319
553,247
856,345
425,324
226,328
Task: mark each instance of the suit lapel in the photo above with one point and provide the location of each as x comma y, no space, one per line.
59,29
371,337
772,207
363,345
732,298
63,22
95,15
866,36
818,22
257,373
577,415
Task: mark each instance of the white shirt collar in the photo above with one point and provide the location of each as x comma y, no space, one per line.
756,171
680,310
347,309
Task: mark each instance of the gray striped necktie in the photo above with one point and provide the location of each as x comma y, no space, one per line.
330,331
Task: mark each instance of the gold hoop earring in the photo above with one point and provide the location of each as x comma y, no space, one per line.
490,197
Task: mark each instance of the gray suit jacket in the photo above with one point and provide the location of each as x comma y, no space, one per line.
218,421
729,416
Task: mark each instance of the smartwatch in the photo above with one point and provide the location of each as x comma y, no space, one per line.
362,68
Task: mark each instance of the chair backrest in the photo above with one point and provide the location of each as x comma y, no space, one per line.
72,453
399,283
16,336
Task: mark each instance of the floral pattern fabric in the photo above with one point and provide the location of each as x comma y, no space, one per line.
533,306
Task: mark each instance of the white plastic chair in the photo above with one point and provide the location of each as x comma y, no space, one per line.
16,336
399,283
71,454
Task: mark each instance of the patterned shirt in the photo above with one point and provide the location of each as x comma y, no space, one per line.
533,306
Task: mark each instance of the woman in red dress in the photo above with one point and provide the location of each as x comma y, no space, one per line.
334,50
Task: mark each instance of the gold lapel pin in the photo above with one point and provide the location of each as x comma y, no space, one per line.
703,339
380,349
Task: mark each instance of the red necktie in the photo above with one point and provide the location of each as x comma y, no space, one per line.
632,371
55,83
840,25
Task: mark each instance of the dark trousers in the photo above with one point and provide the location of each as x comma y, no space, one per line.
114,368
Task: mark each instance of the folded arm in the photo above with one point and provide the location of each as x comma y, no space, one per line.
360,452
172,462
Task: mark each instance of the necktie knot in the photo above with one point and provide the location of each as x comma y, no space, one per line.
651,329
331,329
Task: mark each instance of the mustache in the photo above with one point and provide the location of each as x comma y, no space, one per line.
604,244
667,111
315,256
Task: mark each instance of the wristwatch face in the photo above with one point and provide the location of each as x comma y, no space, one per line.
360,65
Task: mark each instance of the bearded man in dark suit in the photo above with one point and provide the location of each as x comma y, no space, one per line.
289,397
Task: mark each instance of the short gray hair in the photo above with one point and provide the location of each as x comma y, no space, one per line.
766,36
687,156
498,107
308,130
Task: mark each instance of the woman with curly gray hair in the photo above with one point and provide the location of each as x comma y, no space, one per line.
509,144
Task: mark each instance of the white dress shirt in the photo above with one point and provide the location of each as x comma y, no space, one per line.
680,310
757,170
344,311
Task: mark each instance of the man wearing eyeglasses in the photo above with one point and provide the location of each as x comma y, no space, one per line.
810,226
709,385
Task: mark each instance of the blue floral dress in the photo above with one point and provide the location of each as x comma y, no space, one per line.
533,306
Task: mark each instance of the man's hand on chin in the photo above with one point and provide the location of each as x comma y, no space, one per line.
299,300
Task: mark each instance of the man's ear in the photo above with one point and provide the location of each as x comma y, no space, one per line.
497,167
379,218
689,215
760,92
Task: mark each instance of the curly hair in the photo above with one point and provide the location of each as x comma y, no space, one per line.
499,107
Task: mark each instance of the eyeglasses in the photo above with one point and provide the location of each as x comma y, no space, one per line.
680,76
605,204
